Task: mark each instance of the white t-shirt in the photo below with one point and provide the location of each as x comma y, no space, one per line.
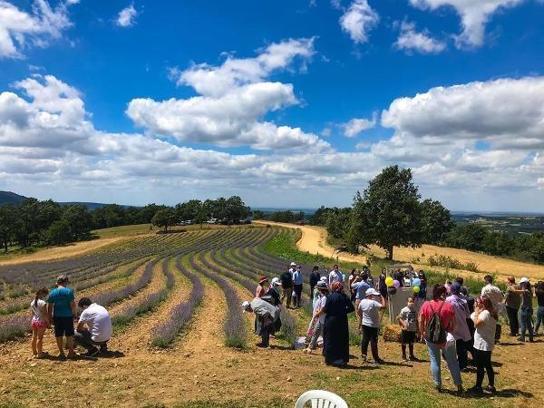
484,336
409,316
335,277
320,304
494,294
98,320
39,310
370,310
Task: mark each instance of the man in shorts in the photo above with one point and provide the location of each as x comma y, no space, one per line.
61,310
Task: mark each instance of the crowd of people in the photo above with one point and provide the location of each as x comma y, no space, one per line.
57,309
447,318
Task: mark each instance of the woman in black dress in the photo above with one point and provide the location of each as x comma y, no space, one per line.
336,331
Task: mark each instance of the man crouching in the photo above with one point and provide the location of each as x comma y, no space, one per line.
94,328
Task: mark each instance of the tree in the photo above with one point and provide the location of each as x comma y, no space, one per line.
164,218
338,222
470,236
59,233
8,217
436,221
388,213
79,219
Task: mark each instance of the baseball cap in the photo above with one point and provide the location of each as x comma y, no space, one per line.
293,264
245,305
524,280
276,282
372,292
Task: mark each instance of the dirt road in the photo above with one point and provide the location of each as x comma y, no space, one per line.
314,240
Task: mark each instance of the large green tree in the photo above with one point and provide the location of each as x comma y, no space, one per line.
164,218
435,221
8,224
388,213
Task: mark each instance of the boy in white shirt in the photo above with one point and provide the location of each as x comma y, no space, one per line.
408,321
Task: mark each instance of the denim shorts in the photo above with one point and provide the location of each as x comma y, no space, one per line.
64,326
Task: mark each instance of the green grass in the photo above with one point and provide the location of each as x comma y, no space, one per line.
124,231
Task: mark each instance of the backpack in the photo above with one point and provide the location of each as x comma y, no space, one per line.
435,333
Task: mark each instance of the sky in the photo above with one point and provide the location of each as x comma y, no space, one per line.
295,103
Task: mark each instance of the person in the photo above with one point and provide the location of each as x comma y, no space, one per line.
298,281
512,303
262,288
497,298
422,295
318,318
436,320
369,322
335,329
287,288
94,327
61,309
493,293
315,276
460,332
40,321
526,310
351,279
539,292
398,275
382,286
485,321
360,286
335,276
408,321
268,316
273,292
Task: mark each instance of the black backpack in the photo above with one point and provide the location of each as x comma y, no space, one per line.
435,333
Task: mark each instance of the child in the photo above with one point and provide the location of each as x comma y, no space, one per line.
408,321
40,322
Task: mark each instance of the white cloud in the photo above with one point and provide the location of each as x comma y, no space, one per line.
506,112
474,16
356,126
234,99
48,145
410,40
215,81
20,29
359,20
127,16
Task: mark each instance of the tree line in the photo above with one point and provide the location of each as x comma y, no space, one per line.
390,212
38,223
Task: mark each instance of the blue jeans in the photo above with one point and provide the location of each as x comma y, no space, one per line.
526,323
539,317
450,354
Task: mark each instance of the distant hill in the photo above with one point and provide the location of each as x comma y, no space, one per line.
8,197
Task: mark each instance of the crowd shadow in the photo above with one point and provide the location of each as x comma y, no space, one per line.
105,354
504,393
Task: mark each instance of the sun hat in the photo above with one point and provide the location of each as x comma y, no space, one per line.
371,292
323,279
246,305
263,279
293,264
524,280
276,282
322,285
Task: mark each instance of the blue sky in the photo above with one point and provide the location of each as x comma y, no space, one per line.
286,103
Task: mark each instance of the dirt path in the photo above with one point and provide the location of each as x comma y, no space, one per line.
56,253
314,240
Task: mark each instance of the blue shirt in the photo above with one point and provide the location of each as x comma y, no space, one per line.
298,279
61,298
361,288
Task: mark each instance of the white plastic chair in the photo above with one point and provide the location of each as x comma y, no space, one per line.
320,399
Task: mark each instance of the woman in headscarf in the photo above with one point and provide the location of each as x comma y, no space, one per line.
336,331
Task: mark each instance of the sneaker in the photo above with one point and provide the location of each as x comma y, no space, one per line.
61,356
413,358
91,353
379,361
475,390
491,389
